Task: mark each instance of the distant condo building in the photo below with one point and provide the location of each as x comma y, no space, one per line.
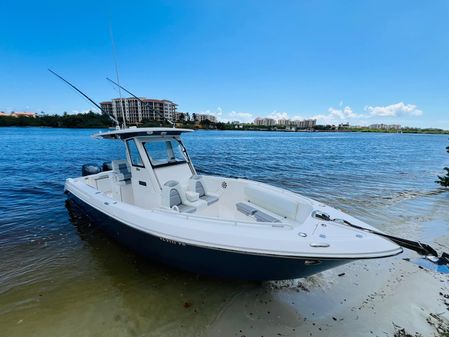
284,122
298,124
205,117
264,121
146,109
385,126
305,124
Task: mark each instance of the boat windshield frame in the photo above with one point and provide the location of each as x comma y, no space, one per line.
168,163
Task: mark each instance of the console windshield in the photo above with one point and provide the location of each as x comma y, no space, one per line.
165,152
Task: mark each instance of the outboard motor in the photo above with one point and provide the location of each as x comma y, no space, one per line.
107,166
89,169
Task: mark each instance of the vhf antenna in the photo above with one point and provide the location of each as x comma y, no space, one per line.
85,96
141,102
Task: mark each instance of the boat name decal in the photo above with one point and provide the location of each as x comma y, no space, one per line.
173,242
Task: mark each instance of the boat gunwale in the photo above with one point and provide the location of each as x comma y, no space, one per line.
153,232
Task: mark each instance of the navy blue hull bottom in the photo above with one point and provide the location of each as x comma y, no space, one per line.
212,262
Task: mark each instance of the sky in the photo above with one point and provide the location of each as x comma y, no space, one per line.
361,62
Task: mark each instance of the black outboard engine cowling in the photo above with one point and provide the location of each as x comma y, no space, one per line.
89,169
107,166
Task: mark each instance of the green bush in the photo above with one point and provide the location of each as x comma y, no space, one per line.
444,180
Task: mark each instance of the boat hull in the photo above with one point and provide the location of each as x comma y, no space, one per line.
202,260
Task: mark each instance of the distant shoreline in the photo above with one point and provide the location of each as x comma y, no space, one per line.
404,131
92,120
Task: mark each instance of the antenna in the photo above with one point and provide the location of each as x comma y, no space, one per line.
141,102
122,105
85,96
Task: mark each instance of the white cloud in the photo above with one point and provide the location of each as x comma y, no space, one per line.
334,115
394,110
222,116
74,112
245,117
278,115
284,115
217,113
337,114
342,113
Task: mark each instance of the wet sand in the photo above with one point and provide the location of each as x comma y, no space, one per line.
388,297
367,299
111,292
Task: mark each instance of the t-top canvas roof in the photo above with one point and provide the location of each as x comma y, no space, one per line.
140,132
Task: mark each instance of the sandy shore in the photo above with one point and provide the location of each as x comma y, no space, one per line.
389,297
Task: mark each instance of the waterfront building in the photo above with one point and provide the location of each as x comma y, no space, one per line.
23,114
385,126
264,122
284,122
395,126
106,108
180,117
205,117
291,124
136,110
305,124
378,126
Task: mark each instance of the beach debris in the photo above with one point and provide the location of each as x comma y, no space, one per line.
400,332
341,274
439,323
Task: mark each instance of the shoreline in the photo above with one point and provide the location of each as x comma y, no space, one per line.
443,132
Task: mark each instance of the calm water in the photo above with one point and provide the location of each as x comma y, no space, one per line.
59,277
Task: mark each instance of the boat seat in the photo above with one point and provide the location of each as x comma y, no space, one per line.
259,215
172,197
272,201
197,185
121,171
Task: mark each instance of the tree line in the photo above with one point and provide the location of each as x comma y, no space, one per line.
80,120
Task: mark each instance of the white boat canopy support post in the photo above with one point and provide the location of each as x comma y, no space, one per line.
155,203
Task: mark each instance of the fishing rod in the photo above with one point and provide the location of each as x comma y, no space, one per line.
114,55
418,247
141,102
85,96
